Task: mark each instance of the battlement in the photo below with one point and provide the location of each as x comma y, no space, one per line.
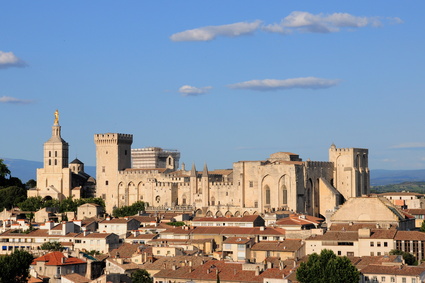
352,149
113,138
319,164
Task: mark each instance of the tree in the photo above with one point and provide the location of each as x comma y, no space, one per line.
31,204
11,196
141,276
15,267
52,246
31,184
327,267
422,229
408,257
4,171
129,210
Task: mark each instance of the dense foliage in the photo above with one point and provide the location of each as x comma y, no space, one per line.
176,224
14,268
141,276
52,246
129,210
408,257
327,268
11,189
68,204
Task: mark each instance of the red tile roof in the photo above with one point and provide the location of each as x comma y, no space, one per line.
394,270
58,258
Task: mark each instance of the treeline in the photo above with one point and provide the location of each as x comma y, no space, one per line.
68,204
413,187
129,210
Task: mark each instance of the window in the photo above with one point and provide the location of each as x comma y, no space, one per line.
413,280
403,280
56,154
378,244
350,253
103,169
339,252
284,195
392,279
251,184
106,182
267,190
385,244
372,253
378,253
383,279
372,244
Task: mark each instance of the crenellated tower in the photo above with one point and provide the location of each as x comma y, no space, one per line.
113,154
351,172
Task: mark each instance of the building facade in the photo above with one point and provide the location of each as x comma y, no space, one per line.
282,181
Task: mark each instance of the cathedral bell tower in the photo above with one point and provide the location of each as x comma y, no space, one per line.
55,149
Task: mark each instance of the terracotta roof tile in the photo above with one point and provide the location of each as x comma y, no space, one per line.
58,258
287,245
393,270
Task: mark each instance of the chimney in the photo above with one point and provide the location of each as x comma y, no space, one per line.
261,228
257,271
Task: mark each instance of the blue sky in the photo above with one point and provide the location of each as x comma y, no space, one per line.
221,81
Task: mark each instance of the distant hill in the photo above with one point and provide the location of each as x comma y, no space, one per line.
381,177
26,169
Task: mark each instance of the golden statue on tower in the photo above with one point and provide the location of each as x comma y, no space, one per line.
56,117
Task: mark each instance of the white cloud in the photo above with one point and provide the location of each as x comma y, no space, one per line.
8,59
211,32
188,90
410,145
299,21
13,100
271,84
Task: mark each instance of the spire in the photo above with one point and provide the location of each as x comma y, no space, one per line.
193,171
205,172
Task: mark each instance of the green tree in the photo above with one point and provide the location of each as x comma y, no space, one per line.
52,246
422,229
31,204
129,210
14,268
327,268
141,276
31,184
11,196
408,257
4,170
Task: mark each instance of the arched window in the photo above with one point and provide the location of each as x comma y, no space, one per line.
284,195
267,190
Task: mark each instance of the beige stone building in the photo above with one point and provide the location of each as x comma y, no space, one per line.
59,179
283,181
